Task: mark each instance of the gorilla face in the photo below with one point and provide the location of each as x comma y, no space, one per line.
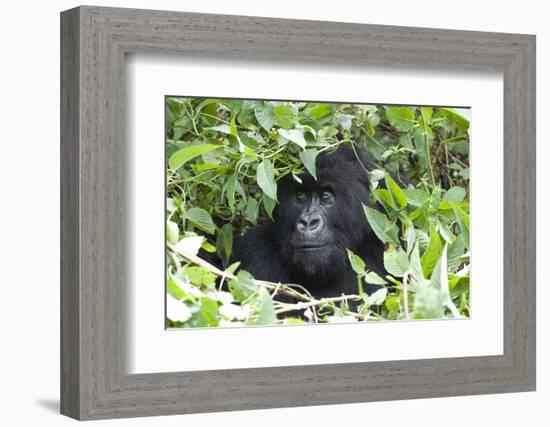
317,220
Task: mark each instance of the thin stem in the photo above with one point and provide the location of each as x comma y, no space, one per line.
427,144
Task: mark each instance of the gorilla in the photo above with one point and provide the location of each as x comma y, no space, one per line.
314,223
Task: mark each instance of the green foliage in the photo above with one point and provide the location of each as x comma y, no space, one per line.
224,159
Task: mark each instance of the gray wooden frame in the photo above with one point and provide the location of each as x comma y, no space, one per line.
94,41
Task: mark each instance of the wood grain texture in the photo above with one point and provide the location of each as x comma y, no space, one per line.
94,270
70,292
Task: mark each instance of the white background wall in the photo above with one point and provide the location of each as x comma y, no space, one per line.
29,224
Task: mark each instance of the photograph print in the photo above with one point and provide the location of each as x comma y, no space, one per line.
299,212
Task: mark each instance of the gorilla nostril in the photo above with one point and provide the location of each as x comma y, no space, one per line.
302,225
314,223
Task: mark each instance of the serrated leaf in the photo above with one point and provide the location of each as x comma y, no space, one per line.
243,286
384,229
439,280
176,310
396,192
294,135
308,158
209,310
357,264
182,156
429,303
284,115
415,268
432,253
455,194
401,118
201,219
223,128
383,196
266,312
372,278
264,115
396,261
265,176
377,297
455,252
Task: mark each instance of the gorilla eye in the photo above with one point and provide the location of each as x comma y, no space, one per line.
326,196
300,195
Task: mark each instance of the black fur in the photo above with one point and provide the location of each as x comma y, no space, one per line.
314,223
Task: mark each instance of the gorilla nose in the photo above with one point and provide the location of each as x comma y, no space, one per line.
310,224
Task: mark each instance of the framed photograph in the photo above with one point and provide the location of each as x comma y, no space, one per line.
262,213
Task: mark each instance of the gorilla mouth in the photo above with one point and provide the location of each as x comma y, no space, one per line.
311,247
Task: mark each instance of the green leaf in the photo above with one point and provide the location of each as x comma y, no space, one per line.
243,286
318,111
266,312
264,115
251,211
223,128
180,157
374,119
199,276
416,197
396,261
410,235
174,290
357,263
373,279
462,123
189,244
432,253
200,219
376,175
401,118
415,268
269,205
294,135
396,192
229,189
385,230
384,197
265,175
377,297
284,115
439,280
308,158
172,232
455,194
209,310
224,241
427,113
344,120
429,303
455,252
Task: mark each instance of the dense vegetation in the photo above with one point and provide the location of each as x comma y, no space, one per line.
224,158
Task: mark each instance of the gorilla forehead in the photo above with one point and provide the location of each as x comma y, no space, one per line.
340,168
